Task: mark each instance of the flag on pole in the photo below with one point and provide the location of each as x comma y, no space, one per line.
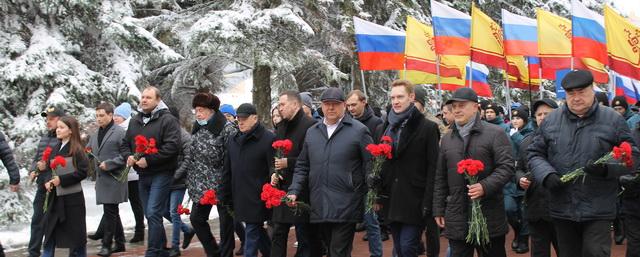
535,69
479,78
486,40
518,73
628,88
452,62
589,38
452,29
420,52
554,40
520,34
623,44
379,47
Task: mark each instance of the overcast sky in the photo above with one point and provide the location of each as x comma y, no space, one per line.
627,7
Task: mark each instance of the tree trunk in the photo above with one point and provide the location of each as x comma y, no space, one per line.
262,93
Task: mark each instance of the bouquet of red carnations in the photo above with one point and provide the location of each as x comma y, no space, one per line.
144,146
380,153
478,231
273,197
620,153
57,161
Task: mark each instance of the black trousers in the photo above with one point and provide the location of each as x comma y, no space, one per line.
543,235
199,220
227,228
338,237
136,207
432,234
460,248
632,231
112,226
586,239
37,230
309,244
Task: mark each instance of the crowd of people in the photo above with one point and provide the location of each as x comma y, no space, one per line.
419,188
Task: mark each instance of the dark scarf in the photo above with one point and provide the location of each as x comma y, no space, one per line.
396,123
103,131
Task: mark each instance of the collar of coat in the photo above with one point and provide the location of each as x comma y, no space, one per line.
255,133
347,120
154,116
477,126
215,125
295,120
572,116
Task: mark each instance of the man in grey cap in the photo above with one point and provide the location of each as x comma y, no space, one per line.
573,137
52,114
333,162
472,138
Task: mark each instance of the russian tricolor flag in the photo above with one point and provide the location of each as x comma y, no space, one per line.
589,39
479,78
627,87
379,47
452,30
520,34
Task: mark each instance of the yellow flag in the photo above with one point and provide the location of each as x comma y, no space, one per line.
623,44
486,40
420,52
554,40
452,62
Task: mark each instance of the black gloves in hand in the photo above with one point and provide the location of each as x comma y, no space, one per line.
552,181
374,182
596,170
628,180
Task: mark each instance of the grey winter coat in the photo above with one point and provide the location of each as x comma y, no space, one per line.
6,155
334,169
489,144
566,142
108,189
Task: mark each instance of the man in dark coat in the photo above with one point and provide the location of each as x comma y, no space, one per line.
6,155
294,127
248,165
573,137
333,162
156,170
38,170
472,138
631,206
105,146
360,110
408,178
543,234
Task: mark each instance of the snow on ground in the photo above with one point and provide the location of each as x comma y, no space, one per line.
16,237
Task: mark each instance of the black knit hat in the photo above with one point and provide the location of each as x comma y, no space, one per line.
522,113
602,98
206,100
545,101
484,103
496,108
620,101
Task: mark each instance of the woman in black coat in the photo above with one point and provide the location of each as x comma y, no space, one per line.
65,225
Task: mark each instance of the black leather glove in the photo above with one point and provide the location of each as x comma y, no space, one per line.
627,180
552,182
596,170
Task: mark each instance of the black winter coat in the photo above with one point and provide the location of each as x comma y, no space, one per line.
489,144
565,142
6,155
370,120
334,169
180,176
48,139
165,128
536,196
294,130
247,167
408,178
65,219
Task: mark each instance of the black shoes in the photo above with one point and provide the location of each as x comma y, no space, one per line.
187,239
137,238
174,252
240,251
95,236
105,251
523,245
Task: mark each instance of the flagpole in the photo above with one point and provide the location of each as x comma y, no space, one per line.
508,95
571,62
364,85
540,77
612,85
470,73
438,78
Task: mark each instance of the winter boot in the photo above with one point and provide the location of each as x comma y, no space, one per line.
523,244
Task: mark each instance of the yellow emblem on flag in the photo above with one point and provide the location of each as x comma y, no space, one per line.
554,35
623,44
486,39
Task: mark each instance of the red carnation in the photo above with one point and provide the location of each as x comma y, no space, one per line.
58,161
46,154
283,147
181,210
271,196
209,198
386,139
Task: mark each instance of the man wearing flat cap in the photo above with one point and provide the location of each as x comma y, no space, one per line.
571,137
472,138
332,163
620,104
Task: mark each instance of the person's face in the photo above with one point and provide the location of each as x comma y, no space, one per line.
355,106
275,117
333,111
619,109
490,114
400,99
149,100
579,100
52,122
542,112
246,123
202,113
447,115
517,122
230,117
103,118
464,111
287,107
62,131
118,120
307,111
